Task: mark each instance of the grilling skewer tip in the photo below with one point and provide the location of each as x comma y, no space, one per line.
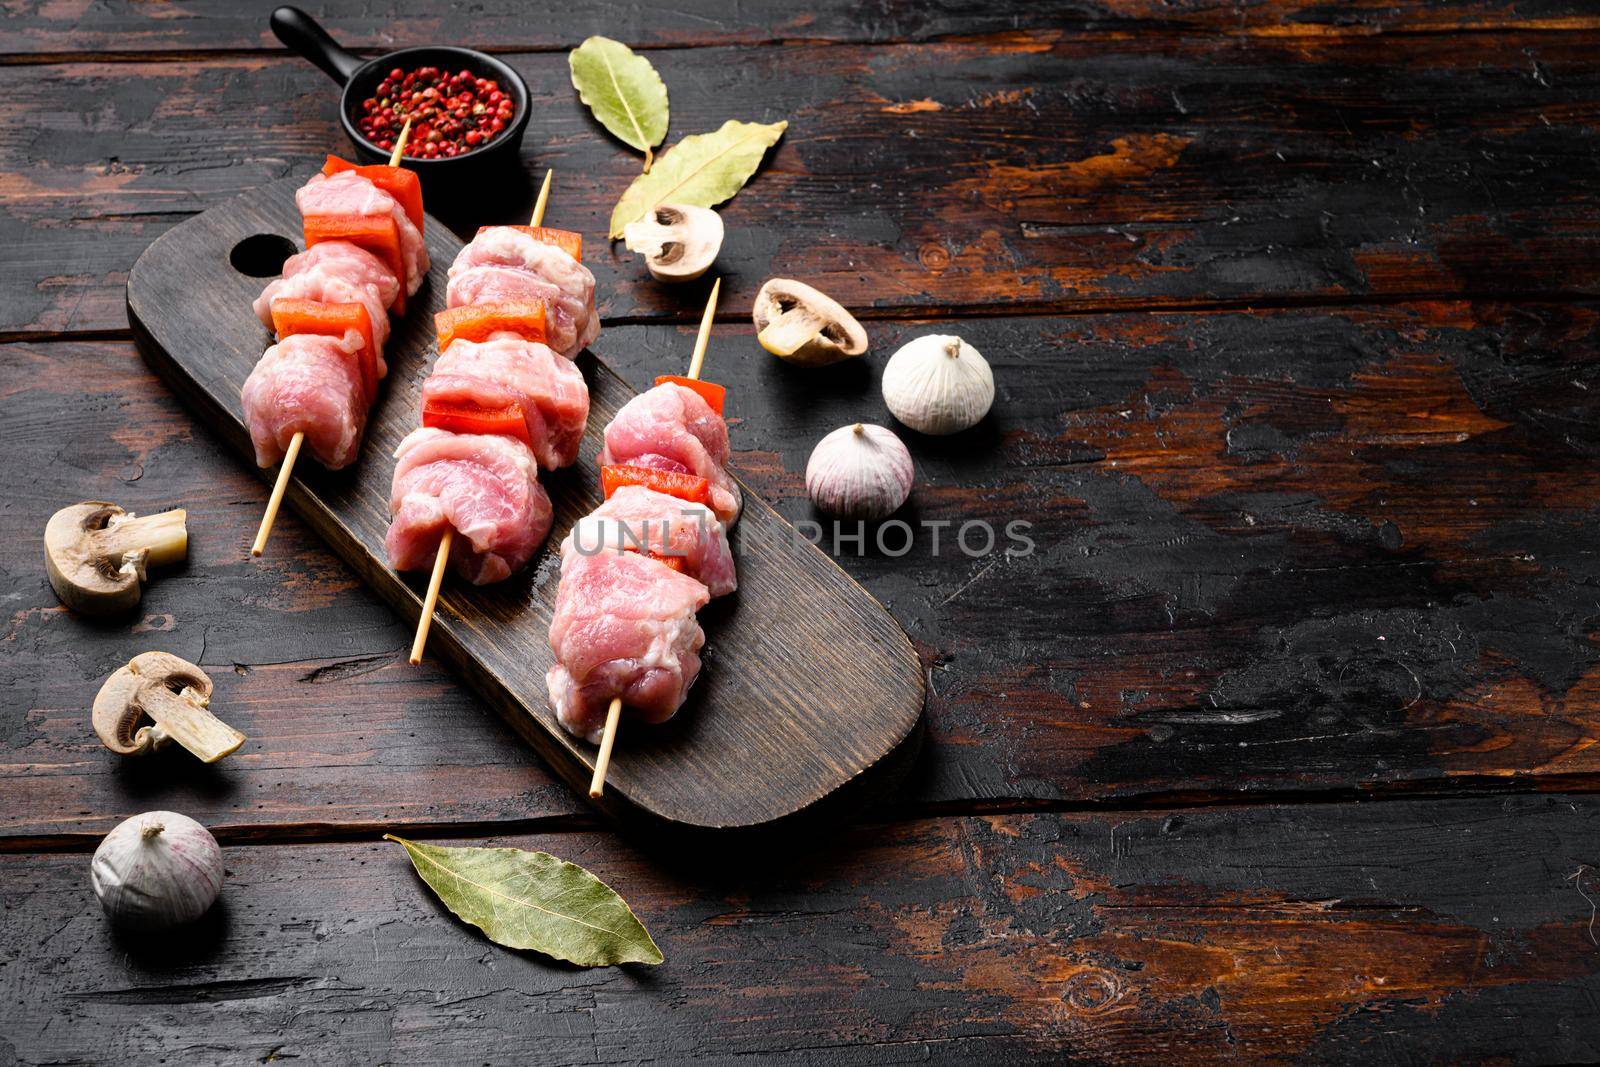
292,453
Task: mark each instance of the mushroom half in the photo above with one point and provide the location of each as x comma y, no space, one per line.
97,554
678,242
805,326
158,698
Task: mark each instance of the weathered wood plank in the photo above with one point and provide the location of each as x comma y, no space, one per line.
1400,932
1036,172
1278,552
122,27
1291,550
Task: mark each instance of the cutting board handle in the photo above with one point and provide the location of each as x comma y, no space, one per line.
305,35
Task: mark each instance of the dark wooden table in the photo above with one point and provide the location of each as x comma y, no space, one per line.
1281,746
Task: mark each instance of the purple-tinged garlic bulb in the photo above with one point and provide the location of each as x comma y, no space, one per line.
860,472
156,871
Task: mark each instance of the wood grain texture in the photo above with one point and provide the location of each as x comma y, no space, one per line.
1034,172
807,681
1320,527
128,28
1279,551
1289,552
1396,933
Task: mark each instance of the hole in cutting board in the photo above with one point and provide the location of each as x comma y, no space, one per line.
261,255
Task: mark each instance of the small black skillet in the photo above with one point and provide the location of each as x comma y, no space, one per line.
361,76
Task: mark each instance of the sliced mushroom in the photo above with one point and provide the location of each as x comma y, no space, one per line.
805,326
158,698
678,242
97,553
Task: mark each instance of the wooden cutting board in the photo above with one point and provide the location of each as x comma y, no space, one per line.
807,681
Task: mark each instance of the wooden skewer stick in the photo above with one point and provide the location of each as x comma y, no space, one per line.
602,762
436,579
431,600
400,149
608,740
544,198
704,336
292,453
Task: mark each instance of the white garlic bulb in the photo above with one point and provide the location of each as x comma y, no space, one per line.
157,870
938,384
860,471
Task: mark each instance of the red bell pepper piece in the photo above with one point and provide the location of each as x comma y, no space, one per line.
569,242
688,487
398,182
713,393
474,322
291,316
376,233
470,418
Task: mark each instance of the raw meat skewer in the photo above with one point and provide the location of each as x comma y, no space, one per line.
436,579
292,453
602,762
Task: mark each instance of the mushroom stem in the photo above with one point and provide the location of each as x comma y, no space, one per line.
163,537
172,692
183,718
648,237
804,326
791,331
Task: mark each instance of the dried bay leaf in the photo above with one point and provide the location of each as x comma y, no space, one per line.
624,92
702,170
533,900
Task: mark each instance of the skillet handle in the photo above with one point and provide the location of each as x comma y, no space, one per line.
302,34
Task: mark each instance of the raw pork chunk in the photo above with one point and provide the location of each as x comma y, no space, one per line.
310,384
505,369
624,626
672,428
504,264
348,193
336,272
637,519
484,487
